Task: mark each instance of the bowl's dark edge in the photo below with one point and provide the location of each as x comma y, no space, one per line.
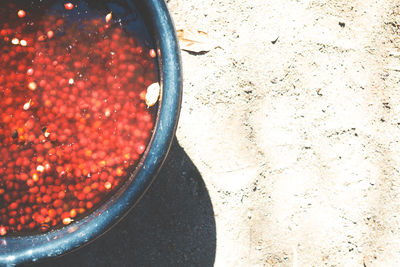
16,250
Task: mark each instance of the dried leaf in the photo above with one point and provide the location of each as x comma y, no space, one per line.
195,41
152,94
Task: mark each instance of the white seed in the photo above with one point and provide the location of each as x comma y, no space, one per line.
40,168
27,105
108,17
15,41
152,94
71,81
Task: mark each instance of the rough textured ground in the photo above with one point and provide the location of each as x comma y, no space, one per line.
297,141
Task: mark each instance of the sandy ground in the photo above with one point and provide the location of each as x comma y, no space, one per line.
297,141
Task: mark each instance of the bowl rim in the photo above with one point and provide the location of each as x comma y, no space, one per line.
19,249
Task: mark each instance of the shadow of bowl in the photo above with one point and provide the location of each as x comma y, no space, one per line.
173,225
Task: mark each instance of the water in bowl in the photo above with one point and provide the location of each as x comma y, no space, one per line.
74,121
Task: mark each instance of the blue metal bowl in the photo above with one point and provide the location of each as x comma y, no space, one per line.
19,249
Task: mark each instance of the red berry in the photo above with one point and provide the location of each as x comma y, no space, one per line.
68,6
21,13
152,53
32,86
50,34
3,230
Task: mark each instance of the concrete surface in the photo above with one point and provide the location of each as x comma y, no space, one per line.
297,140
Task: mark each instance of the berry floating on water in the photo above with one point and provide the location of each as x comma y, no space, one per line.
68,6
21,13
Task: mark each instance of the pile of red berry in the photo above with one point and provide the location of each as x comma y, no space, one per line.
73,117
